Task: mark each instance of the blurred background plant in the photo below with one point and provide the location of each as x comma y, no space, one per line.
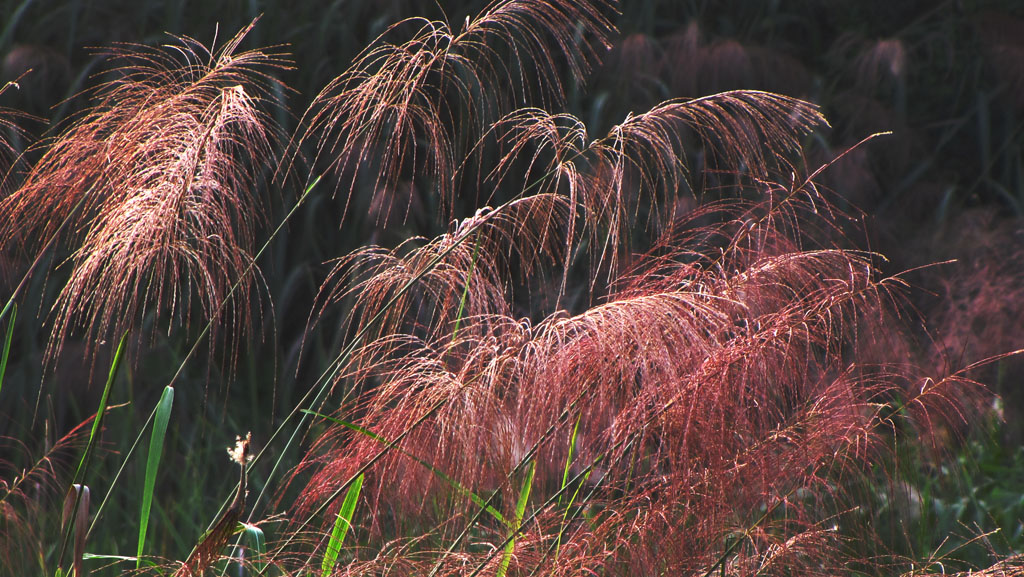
944,77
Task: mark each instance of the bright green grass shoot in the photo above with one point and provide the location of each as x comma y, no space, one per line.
341,526
156,449
524,497
7,344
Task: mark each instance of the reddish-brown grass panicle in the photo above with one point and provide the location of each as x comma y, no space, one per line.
720,402
452,283
704,415
413,108
645,159
155,188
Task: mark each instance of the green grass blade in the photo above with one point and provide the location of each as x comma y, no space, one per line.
156,450
572,452
257,543
7,344
341,526
479,501
524,497
104,400
147,562
565,514
120,470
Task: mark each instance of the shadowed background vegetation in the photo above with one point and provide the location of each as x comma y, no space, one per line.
529,346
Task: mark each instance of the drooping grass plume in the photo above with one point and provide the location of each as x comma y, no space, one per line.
644,159
741,327
409,107
155,189
458,275
720,377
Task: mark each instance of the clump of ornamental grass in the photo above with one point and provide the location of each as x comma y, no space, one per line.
703,413
154,191
699,385
706,416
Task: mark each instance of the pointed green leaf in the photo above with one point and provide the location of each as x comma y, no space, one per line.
341,526
7,343
258,544
524,497
156,449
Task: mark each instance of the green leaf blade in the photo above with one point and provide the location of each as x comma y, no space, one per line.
7,343
156,448
524,498
341,526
